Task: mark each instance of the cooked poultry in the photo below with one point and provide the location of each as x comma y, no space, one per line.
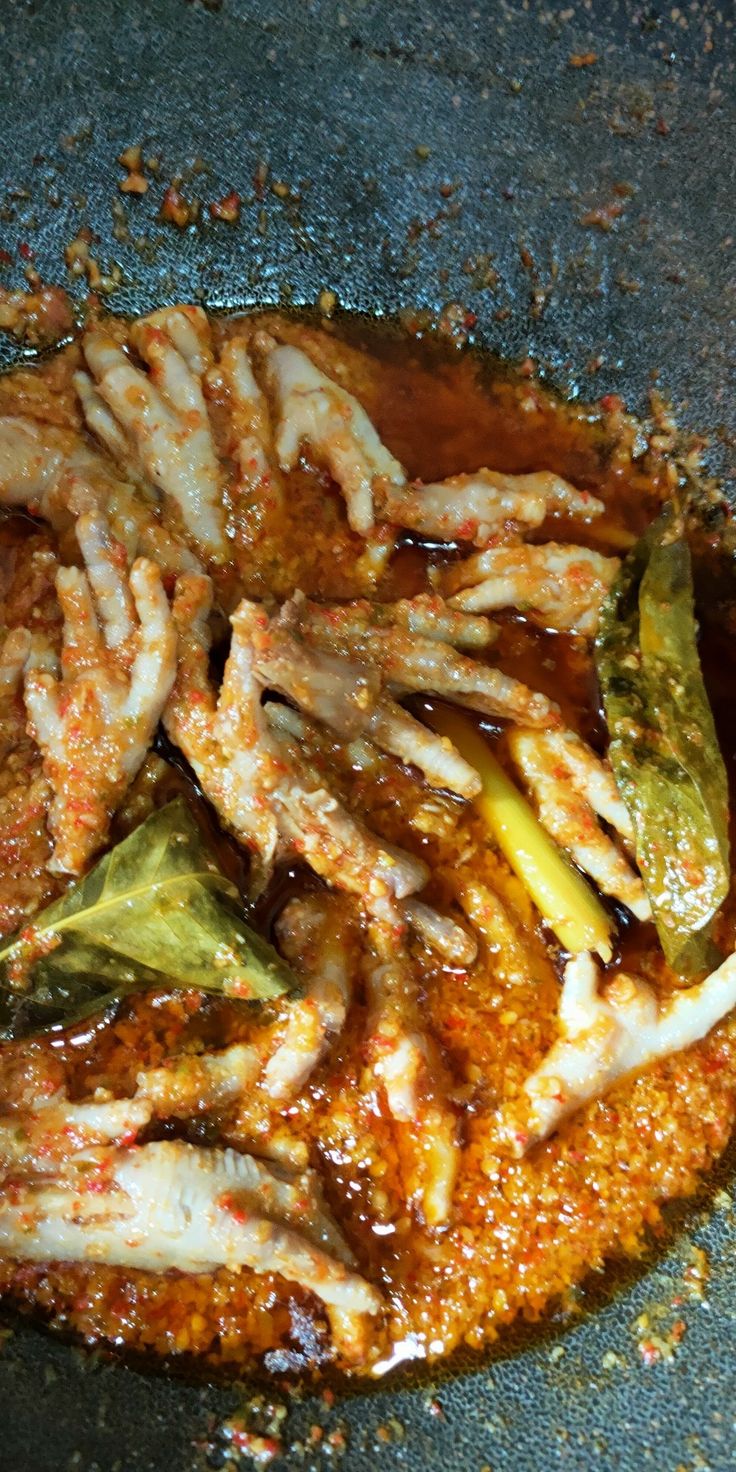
39,1132
336,689
94,709
413,663
560,587
191,1083
55,475
427,615
441,933
315,937
606,1035
346,695
314,410
486,504
261,787
168,1205
408,1067
161,416
222,741
435,814
490,916
244,767
435,811
572,789
252,445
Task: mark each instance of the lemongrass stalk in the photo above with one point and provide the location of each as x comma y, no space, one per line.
560,893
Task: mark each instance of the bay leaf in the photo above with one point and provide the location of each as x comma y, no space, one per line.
664,748
155,911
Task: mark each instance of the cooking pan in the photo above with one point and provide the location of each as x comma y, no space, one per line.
565,174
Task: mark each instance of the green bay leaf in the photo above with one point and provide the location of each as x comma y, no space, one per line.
664,749
155,911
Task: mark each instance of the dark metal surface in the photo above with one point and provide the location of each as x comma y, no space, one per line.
431,153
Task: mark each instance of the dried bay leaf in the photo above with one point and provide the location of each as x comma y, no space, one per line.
155,911
664,749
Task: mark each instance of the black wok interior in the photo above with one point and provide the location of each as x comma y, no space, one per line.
416,140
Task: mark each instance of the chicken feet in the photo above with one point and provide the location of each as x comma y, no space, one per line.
93,712
606,1035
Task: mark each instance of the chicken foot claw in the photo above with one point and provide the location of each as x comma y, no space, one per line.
94,712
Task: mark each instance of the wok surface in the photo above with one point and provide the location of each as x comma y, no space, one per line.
368,111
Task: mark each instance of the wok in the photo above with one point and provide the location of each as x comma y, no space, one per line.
585,157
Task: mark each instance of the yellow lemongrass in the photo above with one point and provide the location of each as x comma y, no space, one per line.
561,895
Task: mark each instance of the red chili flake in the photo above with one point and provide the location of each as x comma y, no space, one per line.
239,988
80,805
227,208
662,127
175,209
611,404
97,1184
467,530
262,1448
454,1021
5,258
379,1043
234,1208
715,1064
25,251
